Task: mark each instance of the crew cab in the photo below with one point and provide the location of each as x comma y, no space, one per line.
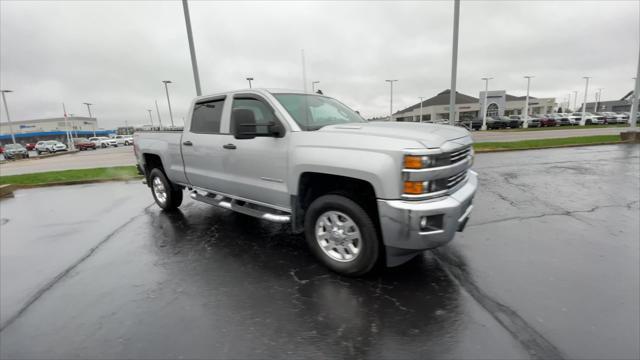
363,193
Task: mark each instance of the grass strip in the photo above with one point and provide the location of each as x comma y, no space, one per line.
70,176
547,143
565,127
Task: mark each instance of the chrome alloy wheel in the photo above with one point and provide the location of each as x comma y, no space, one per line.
338,236
159,190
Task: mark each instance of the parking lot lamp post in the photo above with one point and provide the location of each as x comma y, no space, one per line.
150,117
568,103
421,97
575,100
249,80
192,50
525,124
166,89
454,62
597,94
391,99
6,110
68,130
634,101
484,103
89,110
583,119
313,86
158,112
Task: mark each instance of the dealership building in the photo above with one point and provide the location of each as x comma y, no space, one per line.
499,103
622,105
32,131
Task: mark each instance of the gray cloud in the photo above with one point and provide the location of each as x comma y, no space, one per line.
115,54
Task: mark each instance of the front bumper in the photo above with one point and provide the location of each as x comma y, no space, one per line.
400,221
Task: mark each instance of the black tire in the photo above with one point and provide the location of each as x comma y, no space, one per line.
173,193
103,146
39,152
126,143
369,242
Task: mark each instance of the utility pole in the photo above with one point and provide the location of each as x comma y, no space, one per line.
249,80
454,62
150,118
158,112
166,89
421,116
194,61
94,125
391,98
6,110
484,103
525,124
584,103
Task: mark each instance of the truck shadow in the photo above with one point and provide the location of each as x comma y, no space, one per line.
414,310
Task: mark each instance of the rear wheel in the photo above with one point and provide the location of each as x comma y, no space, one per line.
342,235
164,193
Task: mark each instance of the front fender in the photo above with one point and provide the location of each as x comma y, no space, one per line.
377,168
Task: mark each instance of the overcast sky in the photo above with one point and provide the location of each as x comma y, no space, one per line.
115,54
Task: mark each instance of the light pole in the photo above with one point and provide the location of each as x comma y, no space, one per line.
391,98
6,110
484,103
150,118
166,89
421,97
313,86
575,100
158,112
70,143
598,99
249,80
568,103
94,125
584,103
454,61
192,50
525,124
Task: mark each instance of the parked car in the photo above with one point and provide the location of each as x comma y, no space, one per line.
30,146
574,119
589,118
103,141
559,119
125,140
83,144
15,151
546,120
362,192
50,146
531,122
509,122
496,123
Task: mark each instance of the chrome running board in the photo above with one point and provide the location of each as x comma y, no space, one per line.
241,207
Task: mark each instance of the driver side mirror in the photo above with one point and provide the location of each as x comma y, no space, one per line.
243,125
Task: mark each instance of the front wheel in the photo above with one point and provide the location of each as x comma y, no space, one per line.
163,192
342,235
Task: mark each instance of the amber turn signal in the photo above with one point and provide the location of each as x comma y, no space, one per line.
413,162
413,187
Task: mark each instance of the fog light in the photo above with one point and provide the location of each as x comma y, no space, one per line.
431,223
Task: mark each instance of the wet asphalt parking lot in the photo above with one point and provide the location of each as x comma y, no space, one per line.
548,267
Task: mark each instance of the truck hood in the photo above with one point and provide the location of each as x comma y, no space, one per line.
429,135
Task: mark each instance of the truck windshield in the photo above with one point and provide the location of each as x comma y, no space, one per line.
312,112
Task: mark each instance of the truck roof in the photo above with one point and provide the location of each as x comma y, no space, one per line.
258,90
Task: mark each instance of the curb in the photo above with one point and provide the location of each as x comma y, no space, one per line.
6,190
478,151
73,182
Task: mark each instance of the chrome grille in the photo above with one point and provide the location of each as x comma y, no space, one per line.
459,155
456,179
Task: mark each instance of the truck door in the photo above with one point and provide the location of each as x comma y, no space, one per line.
259,164
202,145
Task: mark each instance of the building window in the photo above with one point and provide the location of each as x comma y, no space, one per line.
492,110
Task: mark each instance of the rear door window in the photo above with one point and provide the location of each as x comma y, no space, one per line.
207,116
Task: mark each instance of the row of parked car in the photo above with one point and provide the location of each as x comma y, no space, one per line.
547,120
13,151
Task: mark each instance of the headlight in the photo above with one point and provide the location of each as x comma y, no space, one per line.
417,161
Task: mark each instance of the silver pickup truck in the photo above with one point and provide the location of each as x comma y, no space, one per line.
364,193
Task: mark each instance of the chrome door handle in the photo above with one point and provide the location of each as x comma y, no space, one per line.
187,143
229,146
